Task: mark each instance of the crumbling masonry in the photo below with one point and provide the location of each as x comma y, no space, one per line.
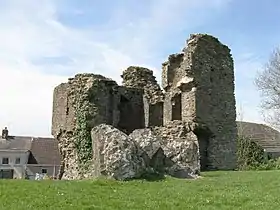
192,120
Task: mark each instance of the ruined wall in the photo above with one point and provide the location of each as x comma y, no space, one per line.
197,108
85,101
156,151
143,78
173,71
63,113
216,88
203,75
155,114
180,144
178,82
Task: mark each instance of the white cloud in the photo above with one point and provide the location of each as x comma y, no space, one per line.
26,89
26,99
30,31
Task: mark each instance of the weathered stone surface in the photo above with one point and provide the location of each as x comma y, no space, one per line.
123,157
147,140
115,154
175,154
151,145
140,77
70,167
143,78
199,85
85,102
193,120
180,145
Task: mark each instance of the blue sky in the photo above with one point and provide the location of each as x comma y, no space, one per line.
42,43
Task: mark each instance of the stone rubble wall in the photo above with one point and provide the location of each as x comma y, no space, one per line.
203,75
140,77
115,155
213,67
180,145
88,98
143,78
188,128
172,71
63,113
86,101
70,166
122,157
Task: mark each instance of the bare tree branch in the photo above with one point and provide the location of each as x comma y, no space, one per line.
268,83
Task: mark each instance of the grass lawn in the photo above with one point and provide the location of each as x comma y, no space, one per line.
216,190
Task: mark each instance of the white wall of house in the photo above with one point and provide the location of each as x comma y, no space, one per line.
17,160
48,169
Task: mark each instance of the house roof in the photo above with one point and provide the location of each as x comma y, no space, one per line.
265,136
16,143
44,151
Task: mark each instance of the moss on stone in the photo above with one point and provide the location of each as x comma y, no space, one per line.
82,138
85,89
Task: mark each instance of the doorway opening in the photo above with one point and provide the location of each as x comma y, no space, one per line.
203,136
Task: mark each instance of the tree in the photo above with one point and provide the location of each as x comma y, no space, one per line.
268,83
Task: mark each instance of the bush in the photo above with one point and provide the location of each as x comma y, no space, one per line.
46,177
251,156
272,164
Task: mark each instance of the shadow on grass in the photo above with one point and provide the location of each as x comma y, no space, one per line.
215,173
152,177
149,177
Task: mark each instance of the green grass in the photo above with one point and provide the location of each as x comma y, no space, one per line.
216,190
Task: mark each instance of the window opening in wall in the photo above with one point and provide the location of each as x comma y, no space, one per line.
176,107
17,161
5,160
124,108
44,171
6,174
110,106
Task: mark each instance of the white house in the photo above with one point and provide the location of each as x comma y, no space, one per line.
13,163
23,157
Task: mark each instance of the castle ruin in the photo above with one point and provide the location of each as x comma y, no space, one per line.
195,110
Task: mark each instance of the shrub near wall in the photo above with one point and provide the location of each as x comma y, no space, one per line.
272,164
251,156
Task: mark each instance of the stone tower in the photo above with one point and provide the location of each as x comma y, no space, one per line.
199,86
